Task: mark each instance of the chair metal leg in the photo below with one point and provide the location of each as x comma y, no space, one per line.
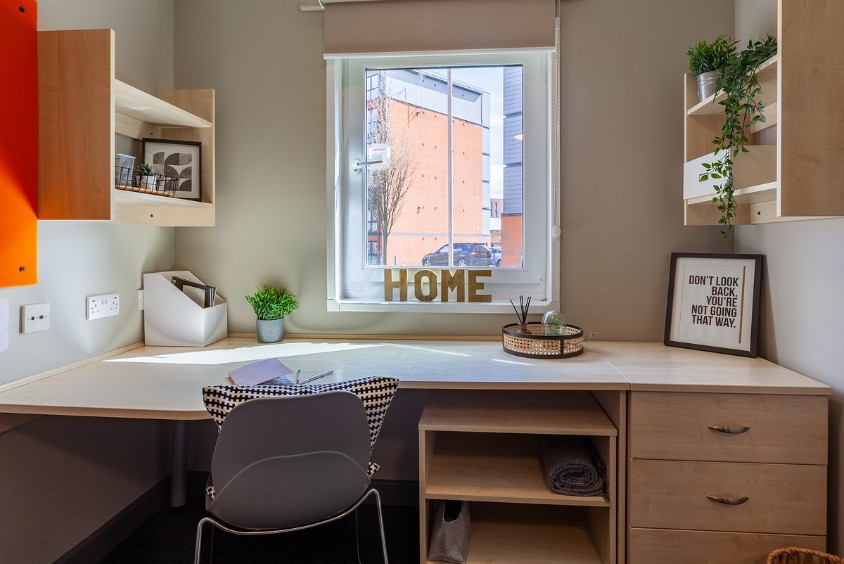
381,525
217,525
197,553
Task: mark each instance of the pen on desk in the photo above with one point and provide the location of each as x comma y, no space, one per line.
314,377
297,376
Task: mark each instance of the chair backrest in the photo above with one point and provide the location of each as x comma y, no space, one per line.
285,461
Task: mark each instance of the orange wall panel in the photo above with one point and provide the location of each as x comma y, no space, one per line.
18,143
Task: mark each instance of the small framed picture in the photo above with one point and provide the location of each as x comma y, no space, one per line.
713,302
177,159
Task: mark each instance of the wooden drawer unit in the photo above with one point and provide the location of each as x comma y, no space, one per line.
728,496
725,477
729,427
702,547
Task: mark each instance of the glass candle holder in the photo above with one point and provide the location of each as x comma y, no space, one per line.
553,322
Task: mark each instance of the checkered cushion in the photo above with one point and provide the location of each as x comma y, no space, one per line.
375,392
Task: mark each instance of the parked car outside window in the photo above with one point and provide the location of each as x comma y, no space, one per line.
496,255
465,254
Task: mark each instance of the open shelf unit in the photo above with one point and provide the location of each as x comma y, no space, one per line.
82,107
483,447
794,168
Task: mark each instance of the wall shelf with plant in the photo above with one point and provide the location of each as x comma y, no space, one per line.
766,169
738,103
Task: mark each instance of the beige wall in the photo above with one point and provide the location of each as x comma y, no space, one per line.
801,322
803,294
622,208
622,212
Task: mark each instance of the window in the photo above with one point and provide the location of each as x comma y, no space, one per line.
441,163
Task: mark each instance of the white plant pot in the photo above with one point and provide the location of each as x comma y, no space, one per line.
148,182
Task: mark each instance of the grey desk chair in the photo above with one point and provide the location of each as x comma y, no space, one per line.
285,464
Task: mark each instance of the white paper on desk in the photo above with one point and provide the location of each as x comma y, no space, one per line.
259,372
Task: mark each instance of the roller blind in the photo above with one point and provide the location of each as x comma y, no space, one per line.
366,27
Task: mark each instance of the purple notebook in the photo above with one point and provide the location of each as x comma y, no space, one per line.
270,371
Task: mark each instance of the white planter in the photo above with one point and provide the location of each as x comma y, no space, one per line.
148,182
270,330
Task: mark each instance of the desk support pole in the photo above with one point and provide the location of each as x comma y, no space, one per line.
179,474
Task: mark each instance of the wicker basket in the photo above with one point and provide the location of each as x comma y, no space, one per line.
536,344
792,555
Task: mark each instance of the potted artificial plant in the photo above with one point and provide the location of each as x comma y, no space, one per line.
705,61
271,306
147,176
739,84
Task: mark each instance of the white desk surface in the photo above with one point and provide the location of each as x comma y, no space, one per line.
165,382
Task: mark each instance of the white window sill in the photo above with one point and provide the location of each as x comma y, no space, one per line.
536,307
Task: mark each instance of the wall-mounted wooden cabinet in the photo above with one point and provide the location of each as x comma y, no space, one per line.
795,170
82,107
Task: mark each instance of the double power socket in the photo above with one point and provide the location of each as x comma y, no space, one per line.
104,305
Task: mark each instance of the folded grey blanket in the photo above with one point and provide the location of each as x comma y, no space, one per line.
572,466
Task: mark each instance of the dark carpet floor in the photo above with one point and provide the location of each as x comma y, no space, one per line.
170,535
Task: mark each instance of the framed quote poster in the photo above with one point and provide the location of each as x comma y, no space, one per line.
713,302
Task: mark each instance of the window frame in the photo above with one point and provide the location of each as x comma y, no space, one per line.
345,92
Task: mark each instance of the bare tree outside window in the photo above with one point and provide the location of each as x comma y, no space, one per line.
387,187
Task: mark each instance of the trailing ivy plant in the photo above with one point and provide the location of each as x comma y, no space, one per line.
742,109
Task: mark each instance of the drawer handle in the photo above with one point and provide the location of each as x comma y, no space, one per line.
734,430
728,500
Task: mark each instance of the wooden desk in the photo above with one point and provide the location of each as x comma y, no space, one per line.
164,382
626,379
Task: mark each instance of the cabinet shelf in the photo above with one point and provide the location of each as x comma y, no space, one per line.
82,107
766,73
137,104
751,195
129,197
493,467
493,412
530,535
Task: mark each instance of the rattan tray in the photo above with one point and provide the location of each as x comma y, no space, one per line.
536,344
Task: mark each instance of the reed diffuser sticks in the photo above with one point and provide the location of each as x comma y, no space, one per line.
522,312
